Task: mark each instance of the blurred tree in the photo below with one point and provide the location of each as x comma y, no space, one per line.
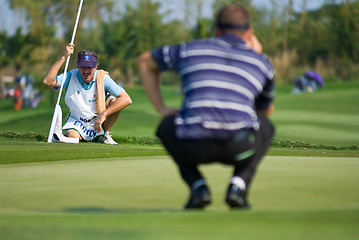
203,27
14,50
4,60
43,18
20,47
137,30
52,22
329,34
345,26
288,12
120,31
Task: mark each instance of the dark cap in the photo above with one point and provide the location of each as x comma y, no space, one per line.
233,26
87,61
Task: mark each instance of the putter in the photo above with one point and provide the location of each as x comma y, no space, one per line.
57,109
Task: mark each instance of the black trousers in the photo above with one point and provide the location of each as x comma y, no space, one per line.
244,151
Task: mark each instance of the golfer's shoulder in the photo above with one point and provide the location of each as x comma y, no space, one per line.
74,73
199,42
265,60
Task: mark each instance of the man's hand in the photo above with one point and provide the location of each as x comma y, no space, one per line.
98,123
269,110
254,44
69,50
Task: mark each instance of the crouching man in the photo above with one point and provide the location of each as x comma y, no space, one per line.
92,113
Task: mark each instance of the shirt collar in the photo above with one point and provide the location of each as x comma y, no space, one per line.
85,85
232,39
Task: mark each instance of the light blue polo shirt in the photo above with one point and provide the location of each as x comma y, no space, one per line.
110,85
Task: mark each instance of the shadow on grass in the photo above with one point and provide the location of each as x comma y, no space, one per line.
96,210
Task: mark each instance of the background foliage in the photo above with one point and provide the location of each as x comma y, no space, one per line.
326,40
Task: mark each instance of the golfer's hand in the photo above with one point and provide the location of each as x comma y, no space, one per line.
254,44
69,50
98,123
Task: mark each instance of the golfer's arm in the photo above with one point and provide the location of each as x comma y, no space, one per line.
50,78
122,101
150,77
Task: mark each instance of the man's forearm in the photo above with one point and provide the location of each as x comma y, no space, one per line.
50,78
153,91
149,74
122,101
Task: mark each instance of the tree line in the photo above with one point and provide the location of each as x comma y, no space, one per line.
325,40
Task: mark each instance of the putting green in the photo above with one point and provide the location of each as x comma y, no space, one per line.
154,183
141,198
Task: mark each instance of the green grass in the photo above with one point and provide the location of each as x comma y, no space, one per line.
14,150
328,117
142,198
26,151
306,188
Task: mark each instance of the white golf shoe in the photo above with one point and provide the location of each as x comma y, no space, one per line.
107,139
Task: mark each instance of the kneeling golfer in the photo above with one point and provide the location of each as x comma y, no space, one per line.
92,114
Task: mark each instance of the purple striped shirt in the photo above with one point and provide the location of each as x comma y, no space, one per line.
223,83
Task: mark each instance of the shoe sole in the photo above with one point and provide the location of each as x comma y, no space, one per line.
206,200
235,202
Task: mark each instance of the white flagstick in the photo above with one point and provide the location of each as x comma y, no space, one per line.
51,133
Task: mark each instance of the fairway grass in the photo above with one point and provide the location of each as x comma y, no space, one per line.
142,198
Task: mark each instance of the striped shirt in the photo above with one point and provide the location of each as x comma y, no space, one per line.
223,83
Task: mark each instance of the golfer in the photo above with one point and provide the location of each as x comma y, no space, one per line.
228,91
92,114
